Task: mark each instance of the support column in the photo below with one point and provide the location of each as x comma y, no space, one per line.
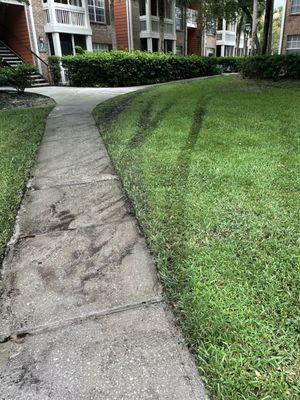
56,44
57,52
89,44
149,44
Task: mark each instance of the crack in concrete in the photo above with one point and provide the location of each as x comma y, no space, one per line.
35,330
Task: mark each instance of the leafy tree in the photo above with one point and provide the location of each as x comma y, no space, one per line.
276,30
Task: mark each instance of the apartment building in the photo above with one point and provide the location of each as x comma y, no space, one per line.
290,32
40,28
30,31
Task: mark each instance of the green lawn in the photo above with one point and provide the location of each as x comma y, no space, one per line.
212,169
20,134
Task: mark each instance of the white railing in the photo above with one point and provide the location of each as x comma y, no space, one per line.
226,37
191,18
46,16
70,17
65,15
151,26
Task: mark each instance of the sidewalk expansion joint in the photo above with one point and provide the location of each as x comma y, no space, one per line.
111,177
40,329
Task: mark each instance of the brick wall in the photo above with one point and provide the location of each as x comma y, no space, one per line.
121,24
194,35
135,10
101,33
38,17
291,25
14,30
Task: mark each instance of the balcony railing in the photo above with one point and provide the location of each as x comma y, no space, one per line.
155,26
227,38
66,16
69,17
191,18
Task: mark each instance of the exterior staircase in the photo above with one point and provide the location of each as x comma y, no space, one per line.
11,59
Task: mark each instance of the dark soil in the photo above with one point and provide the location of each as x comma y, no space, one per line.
11,99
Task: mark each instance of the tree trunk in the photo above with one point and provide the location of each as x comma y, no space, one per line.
254,28
112,24
238,36
267,34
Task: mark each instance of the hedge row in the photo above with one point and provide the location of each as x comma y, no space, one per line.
271,67
120,68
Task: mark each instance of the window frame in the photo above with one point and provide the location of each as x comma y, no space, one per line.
290,40
94,7
177,19
295,8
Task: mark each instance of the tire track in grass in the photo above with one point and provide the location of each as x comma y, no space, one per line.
148,125
175,198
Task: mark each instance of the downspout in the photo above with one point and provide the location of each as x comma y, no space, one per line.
32,34
185,31
129,25
282,27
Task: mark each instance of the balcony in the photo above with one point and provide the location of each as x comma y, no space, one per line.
191,18
150,27
227,38
66,18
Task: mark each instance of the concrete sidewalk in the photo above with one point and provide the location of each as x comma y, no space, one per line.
82,313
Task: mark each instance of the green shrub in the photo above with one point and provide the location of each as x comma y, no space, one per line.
120,68
230,64
271,67
54,69
18,77
79,50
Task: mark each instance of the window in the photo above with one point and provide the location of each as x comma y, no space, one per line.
211,29
179,50
76,3
295,8
168,9
179,18
96,10
142,7
144,44
80,40
191,18
155,45
293,44
154,10
210,51
97,47
168,46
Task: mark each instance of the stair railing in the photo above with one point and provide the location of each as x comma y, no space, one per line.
41,64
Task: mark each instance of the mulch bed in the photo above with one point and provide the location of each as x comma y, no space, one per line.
10,99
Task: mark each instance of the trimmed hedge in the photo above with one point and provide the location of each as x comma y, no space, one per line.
271,67
54,69
230,64
120,68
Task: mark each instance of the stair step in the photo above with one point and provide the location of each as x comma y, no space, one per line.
39,84
13,61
